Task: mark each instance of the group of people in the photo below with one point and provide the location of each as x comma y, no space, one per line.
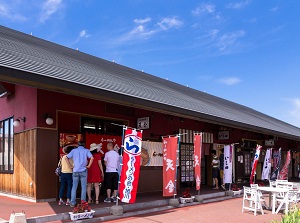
218,169
85,166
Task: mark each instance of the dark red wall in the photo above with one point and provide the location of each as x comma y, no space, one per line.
21,103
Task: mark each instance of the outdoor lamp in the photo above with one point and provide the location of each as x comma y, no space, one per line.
48,119
17,122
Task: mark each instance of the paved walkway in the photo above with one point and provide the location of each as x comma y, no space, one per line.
220,210
228,211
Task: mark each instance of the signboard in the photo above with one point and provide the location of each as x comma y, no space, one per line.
151,154
143,123
269,142
102,140
223,135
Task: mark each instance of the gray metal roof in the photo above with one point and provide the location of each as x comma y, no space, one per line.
36,62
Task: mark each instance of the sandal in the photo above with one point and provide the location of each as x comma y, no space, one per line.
90,201
97,202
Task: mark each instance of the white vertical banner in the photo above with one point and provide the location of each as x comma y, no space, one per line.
228,152
267,166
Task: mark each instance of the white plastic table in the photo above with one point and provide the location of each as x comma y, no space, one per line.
274,191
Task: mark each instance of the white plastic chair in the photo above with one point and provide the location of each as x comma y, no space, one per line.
297,189
291,198
251,200
281,180
284,199
259,193
272,183
283,184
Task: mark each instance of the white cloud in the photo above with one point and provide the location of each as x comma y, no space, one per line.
213,32
84,34
296,108
142,21
215,42
140,32
238,5
171,22
144,29
229,39
230,80
253,20
274,9
7,12
204,8
49,8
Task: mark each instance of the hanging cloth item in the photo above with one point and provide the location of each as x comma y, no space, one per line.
283,175
255,161
267,165
275,173
170,147
197,159
228,153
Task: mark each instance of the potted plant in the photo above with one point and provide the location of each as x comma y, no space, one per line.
82,210
186,197
236,190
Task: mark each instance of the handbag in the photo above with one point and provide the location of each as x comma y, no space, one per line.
58,168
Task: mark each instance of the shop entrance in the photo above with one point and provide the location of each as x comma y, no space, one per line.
186,159
244,157
186,170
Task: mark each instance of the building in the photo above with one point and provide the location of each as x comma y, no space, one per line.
91,98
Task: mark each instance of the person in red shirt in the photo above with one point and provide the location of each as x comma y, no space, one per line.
95,174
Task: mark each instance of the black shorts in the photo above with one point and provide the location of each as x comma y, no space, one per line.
111,180
215,172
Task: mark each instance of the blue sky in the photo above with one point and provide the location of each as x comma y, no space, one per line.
245,51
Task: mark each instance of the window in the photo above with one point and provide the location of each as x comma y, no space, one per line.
100,126
6,145
187,162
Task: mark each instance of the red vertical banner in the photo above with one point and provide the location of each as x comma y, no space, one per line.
170,147
283,175
255,161
197,159
131,165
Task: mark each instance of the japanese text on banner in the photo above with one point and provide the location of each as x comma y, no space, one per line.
169,165
227,176
197,159
131,165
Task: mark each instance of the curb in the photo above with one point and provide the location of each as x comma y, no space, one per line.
131,209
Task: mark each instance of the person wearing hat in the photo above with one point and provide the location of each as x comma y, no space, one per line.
95,174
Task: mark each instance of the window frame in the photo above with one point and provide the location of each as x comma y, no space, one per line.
10,145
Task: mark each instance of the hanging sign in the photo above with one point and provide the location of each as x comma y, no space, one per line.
267,165
227,176
255,161
170,146
275,173
197,159
283,175
131,165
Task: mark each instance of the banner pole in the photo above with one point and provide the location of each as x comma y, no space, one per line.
177,164
121,163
